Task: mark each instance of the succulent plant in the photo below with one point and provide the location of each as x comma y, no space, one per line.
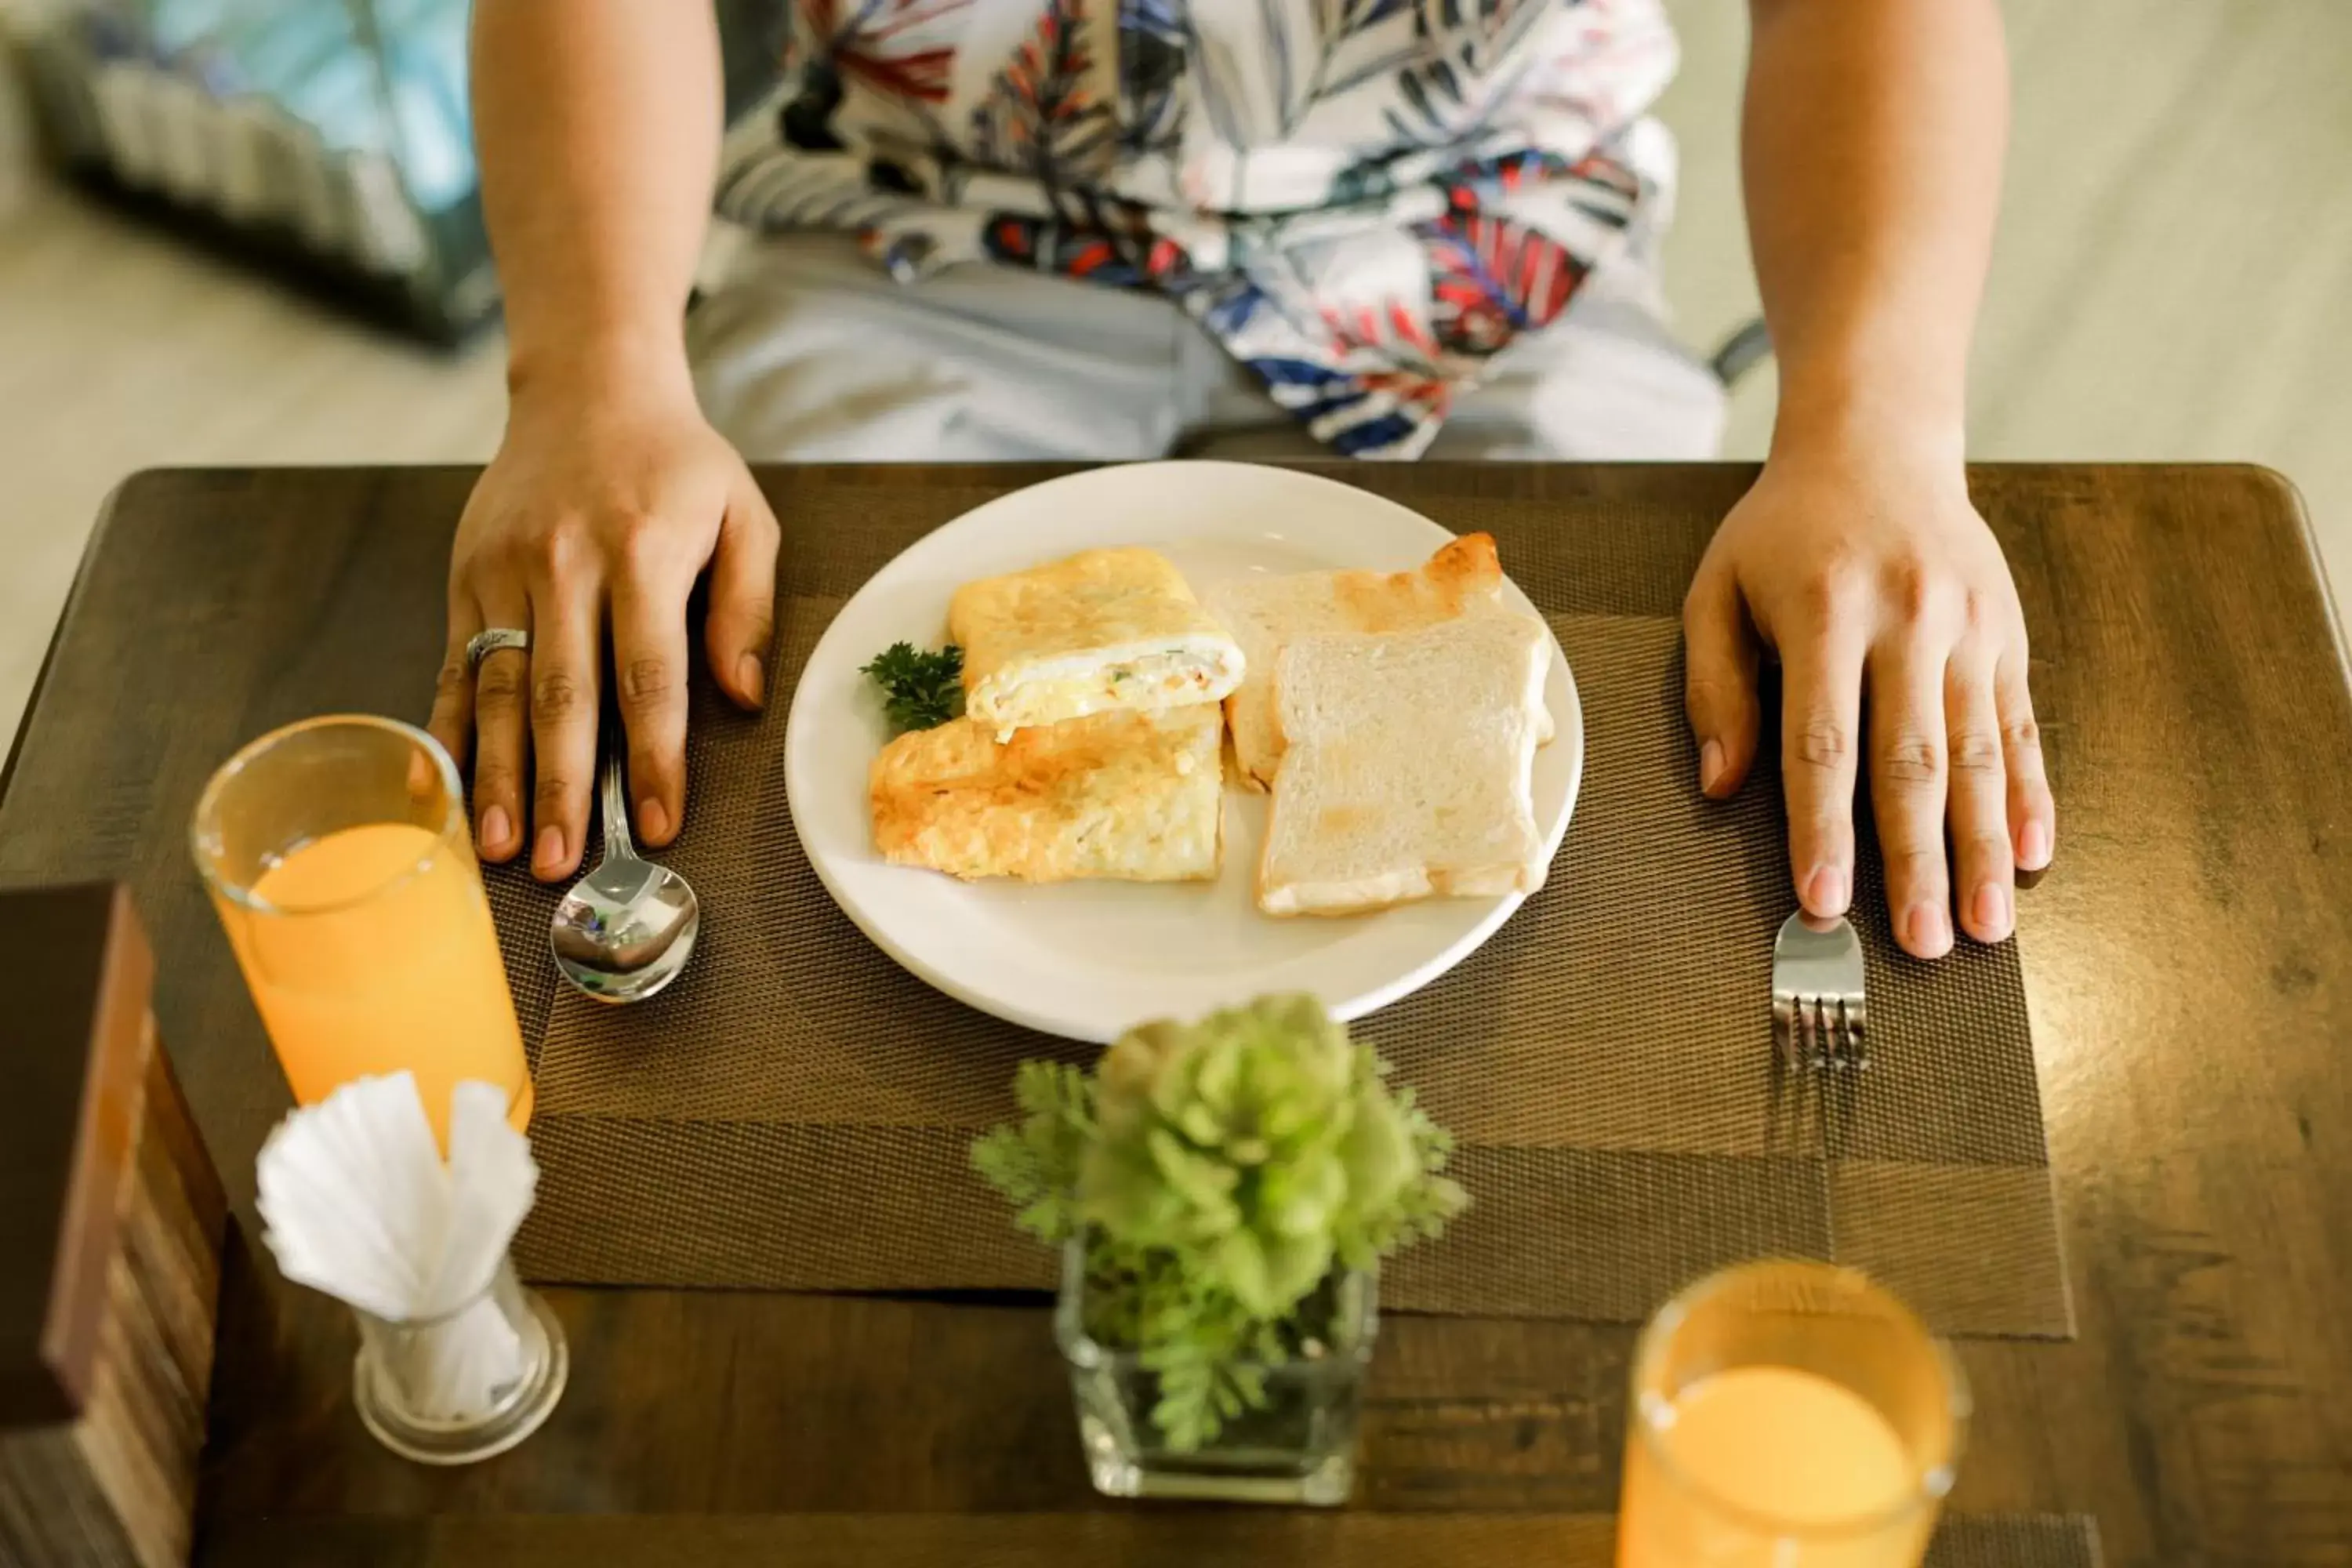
1220,1171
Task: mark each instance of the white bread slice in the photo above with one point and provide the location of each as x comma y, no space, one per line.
1265,614
1408,769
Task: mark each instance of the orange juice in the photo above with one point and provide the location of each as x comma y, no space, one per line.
376,953
1771,1466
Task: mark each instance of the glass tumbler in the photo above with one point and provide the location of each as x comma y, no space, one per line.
337,855
466,1383
1787,1414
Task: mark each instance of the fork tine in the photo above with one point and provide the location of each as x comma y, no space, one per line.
1818,979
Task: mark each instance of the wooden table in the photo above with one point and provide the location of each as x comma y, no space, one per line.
2189,966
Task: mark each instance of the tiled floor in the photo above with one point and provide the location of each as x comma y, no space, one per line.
2171,283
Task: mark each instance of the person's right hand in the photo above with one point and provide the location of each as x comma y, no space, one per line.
595,507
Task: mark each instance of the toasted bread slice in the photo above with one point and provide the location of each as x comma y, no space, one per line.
1408,768
1127,795
1265,614
1103,630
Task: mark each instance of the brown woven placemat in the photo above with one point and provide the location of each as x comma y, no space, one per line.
2015,1541
795,1113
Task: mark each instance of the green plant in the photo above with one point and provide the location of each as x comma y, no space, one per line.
1218,1173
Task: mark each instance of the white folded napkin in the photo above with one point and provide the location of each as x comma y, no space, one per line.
357,1202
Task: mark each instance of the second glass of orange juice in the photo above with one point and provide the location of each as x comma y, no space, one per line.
1787,1414
337,854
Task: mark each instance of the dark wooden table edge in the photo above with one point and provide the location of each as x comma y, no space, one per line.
2331,611
1129,1532
2268,476
91,547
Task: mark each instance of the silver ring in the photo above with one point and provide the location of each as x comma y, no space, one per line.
481,645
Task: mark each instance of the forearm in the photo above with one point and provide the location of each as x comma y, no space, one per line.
598,123
1873,136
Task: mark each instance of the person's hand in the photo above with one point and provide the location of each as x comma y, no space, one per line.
1869,570
598,507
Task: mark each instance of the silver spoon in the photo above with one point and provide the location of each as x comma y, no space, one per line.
625,929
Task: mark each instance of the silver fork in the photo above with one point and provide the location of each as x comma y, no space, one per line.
1819,1017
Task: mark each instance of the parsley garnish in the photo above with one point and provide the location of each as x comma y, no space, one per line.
921,690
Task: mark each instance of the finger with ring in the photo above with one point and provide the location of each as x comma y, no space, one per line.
483,644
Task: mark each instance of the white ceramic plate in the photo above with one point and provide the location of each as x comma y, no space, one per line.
1089,960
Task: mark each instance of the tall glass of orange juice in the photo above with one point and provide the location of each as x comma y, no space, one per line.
337,855
1787,1414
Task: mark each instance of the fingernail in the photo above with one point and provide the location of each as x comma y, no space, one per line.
1992,911
1825,894
1931,933
1710,766
753,676
549,856
496,828
2033,845
653,821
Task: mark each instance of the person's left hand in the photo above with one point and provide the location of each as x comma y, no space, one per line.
1871,568
605,501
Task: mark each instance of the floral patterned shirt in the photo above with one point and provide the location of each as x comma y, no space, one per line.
1365,200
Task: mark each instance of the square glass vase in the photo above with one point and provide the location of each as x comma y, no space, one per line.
1299,1447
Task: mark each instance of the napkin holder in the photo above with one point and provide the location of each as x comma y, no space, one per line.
110,1225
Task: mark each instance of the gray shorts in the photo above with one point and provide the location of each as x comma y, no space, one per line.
804,351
